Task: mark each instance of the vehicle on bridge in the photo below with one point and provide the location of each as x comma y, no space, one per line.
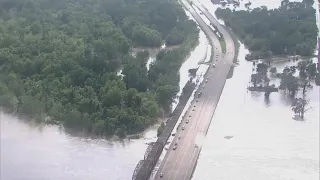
175,146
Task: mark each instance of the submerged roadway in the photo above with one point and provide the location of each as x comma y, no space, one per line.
179,163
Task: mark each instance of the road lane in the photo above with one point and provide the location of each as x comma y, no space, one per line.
230,45
189,131
206,122
179,164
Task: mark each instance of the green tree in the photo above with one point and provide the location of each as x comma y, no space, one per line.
299,107
160,129
166,94
288,30
60,60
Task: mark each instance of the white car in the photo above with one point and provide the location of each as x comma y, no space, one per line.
213,65
183,128
161,175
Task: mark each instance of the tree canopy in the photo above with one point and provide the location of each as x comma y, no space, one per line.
289,30
59,59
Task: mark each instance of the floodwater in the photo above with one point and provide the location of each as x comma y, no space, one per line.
46,153
264,141
30,152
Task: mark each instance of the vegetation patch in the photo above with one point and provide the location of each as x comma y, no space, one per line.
223,45
59,61
291,82
289,30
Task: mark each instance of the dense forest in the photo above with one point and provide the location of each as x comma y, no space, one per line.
59,61
289,30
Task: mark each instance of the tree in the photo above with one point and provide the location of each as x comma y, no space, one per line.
307,72
289,83
166,94
262,68
256,79
160,129
273,71
311,70
288,30
60,60
299,107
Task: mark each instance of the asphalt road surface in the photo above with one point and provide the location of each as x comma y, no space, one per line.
230,45
179,164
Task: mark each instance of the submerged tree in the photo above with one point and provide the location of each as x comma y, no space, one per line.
307,72
273,71
288,81
299,107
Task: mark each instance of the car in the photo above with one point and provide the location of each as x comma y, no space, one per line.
161,175
175,147
213,65
183,128
187,121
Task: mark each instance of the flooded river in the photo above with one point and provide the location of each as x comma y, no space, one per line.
266,142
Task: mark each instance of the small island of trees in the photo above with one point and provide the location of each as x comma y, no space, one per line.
59,61
288,30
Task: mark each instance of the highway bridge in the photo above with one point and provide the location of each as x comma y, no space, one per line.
181,158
